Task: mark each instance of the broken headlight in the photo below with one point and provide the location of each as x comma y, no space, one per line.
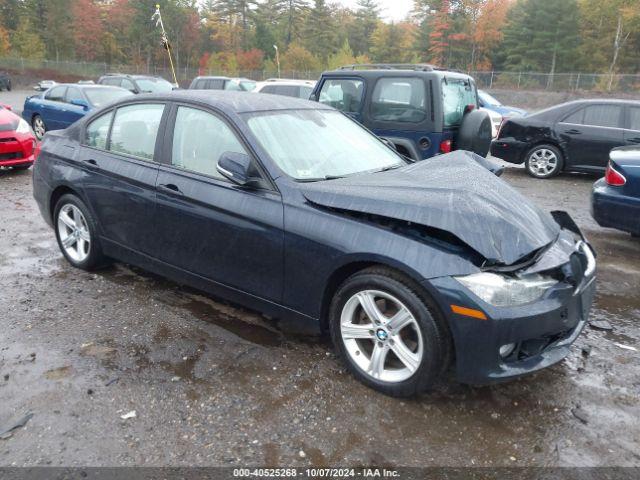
504,291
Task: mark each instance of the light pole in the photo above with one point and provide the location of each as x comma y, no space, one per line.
277,59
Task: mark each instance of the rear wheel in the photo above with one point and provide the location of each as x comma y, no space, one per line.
76,232
39,128
386,333
544,161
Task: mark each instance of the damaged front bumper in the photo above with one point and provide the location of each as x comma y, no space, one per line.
507,342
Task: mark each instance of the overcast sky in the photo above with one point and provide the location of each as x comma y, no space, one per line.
391,9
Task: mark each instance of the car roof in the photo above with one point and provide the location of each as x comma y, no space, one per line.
288,83
237,102
587,101
375,73
89,86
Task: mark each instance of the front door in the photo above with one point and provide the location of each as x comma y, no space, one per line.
72,112
209,226
53,106
120,174
344,94
590,133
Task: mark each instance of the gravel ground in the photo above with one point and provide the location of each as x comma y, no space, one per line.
213,384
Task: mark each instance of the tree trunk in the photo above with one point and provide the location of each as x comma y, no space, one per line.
616,51
553,66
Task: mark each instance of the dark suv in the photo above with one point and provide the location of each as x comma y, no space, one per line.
137,83
5,81
421,109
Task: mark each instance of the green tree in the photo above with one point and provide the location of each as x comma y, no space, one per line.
321,37
367,17
542,36
25,43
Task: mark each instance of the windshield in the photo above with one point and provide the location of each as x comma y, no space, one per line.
457,95
247,85
101,96
317,144
488,99
154,85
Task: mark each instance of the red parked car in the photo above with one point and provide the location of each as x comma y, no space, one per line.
17,142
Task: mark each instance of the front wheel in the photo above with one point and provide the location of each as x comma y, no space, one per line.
39,128
387,334
76,232
544,161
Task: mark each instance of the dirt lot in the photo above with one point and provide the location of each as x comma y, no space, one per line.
212,384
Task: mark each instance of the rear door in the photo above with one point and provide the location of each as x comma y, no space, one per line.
118,159
344,94
590,132
632,132
209,226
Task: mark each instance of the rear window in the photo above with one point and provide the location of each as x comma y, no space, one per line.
399,100
342,94
457,94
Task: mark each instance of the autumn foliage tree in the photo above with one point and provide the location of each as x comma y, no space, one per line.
88,29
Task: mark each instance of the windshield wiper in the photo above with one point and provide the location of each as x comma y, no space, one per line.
321,179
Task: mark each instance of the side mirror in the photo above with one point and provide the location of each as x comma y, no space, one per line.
80,103
236,167
389,144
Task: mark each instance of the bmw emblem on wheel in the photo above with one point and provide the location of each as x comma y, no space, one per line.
382,335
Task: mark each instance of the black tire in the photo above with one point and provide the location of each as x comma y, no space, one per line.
95,258
21,167
34,120
475,133
540,151
437,344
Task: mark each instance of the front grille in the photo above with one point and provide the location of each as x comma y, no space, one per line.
10,156
535,346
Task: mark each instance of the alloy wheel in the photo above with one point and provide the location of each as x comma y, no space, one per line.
38,127
381,336
543,162
73,231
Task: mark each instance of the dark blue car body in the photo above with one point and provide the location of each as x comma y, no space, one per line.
64,104
619,206
286,247
490,103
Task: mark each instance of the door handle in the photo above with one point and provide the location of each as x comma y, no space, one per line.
573,131
170,188
91,164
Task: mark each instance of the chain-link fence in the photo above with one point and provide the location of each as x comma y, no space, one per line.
485,79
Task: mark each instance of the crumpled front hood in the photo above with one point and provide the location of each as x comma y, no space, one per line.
452,193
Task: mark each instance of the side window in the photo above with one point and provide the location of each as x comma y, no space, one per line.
128,84
603,116
74,94
634,118
343,94
200,84
112,81
399,100
576,117
56,94
197,152
269,89
135,129
215,84
98,130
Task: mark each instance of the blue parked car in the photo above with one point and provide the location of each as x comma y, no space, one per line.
491,103
293,209
615,200
60,106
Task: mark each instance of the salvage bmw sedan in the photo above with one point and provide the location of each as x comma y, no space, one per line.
293,209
